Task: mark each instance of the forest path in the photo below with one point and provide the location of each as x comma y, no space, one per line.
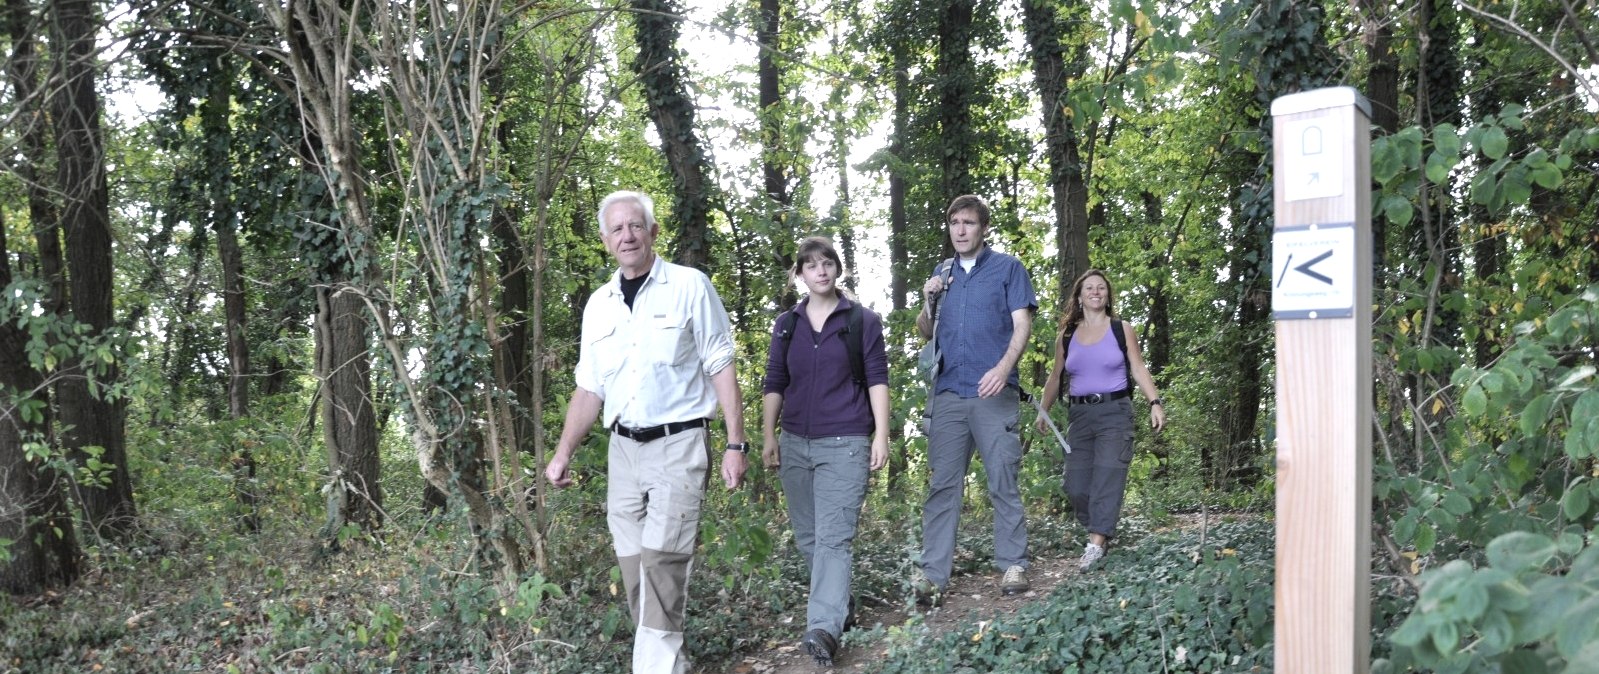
969,596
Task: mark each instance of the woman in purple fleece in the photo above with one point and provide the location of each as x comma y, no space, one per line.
834,430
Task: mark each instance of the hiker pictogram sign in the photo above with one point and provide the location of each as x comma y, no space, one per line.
1313,271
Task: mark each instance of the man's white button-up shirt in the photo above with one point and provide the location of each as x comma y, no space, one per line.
652,364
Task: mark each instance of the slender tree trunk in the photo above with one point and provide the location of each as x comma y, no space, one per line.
1382,90
215,111
1067,180
92,419
899,260
670,107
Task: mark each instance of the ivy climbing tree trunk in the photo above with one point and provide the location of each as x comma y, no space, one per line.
1054,65
774,152
43,547
662,77
324,70
91,416
956,74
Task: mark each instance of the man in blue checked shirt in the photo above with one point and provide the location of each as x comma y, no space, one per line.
984,304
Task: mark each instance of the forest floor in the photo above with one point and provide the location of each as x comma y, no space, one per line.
969,597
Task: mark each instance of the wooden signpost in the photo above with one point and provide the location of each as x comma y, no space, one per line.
1321,302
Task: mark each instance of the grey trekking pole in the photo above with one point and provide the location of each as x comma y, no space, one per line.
1039,405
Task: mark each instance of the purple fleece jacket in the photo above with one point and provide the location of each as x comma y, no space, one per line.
820,398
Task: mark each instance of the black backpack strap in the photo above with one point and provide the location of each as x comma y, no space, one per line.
785,332
855,343
1121,342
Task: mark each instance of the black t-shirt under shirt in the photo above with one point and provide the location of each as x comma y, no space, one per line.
630,288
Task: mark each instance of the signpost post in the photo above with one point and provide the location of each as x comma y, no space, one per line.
1321,302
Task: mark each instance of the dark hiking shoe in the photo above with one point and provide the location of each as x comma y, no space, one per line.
821,646
927,594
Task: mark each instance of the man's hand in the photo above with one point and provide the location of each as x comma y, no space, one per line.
771,453
992,383
932,287
879,452
733,466
1041,424
1157,417
555,470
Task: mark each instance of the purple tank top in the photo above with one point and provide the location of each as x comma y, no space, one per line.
1096,368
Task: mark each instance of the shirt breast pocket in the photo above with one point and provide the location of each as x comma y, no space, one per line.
607,351
670,340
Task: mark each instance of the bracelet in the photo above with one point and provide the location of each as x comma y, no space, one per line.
1157,401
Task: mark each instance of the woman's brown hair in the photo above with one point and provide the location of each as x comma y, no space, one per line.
1074,306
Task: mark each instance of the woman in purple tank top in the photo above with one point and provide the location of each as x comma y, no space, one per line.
1101,369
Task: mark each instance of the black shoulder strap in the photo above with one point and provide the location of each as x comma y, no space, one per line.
785,332
855,343
1121,342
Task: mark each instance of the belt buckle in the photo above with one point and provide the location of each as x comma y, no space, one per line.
1096,398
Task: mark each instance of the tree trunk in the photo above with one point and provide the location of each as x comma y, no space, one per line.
1382,90
899,261
349,428
215,111
33,515
93,420
957,77
662,77
770,111
23,73
1067,180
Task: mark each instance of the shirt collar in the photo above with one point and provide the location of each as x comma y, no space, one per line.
615,285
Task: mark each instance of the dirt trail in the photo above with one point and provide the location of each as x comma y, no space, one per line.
970,595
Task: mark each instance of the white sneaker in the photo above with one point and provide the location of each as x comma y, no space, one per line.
1091,554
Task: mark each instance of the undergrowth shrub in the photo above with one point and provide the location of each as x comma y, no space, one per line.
1163,604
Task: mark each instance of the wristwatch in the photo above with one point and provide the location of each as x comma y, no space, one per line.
740,447
1157,401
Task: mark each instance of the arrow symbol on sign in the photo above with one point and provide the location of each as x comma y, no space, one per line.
1305,268
1315,177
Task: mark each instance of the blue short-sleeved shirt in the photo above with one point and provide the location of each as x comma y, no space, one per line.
974,319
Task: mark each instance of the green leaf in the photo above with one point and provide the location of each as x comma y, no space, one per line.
1520,551
1547,176
1553,595
1397,209
1514,187
1575,502
1496,633
1578,628
1438,168
1475,401
1456,504
1494,142
1426,537
1534,415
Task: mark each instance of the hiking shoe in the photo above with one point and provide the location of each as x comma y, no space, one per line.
927,594
1091,554
1014,582
821,646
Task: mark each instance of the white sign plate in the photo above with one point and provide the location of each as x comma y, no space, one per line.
1313,271
1313,159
